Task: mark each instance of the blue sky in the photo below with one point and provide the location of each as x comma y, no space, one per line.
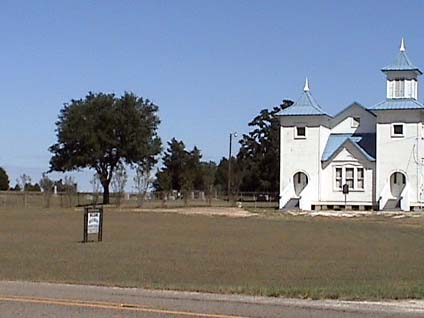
211,66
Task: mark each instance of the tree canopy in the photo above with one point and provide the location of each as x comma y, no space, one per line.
259,152
102,131
221,176
4,180
46,184
183,169
32,187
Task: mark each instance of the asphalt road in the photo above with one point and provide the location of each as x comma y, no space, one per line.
36,300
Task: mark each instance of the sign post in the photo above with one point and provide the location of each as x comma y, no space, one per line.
93,223
345,192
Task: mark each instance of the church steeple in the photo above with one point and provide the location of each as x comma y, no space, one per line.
306,88
402,46
402,76
305,105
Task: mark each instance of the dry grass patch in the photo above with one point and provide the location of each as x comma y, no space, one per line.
317,257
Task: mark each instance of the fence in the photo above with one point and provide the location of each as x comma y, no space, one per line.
12,199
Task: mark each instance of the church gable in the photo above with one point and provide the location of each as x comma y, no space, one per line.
354,119
360,146
347,153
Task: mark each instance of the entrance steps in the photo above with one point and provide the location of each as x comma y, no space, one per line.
293,203
392,205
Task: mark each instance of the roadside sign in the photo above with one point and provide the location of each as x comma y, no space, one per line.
345,189
345,192
93,223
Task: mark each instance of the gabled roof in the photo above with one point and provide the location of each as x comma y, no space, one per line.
341,115
354,104
304,106
398,103
365,143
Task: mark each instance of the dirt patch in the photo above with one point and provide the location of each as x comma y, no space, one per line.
352,214
210,211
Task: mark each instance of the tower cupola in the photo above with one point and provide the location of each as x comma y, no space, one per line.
402,77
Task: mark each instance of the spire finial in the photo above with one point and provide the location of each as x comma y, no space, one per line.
402,45
306,88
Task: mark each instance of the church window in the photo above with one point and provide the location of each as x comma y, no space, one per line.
349,178
397,130
339,180
390,85
399,88
356,122
300,132
354,177
397,176
360,178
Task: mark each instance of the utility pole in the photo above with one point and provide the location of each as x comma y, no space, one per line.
229,165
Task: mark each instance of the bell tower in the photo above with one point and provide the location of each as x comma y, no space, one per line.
402,77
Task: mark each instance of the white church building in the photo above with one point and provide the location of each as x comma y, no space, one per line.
377,151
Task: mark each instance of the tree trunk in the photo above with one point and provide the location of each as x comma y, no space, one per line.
106,198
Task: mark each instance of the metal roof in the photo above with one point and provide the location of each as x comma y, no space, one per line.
304,106
365,143
398,103
401,63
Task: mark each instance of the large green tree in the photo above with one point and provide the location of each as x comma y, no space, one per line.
4,180
103,131
170,176
259,152
221,175
205,176
183,170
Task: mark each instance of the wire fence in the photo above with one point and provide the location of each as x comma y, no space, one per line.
173,199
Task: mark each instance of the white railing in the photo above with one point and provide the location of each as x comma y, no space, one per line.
405,200
385,196
286,195
305,199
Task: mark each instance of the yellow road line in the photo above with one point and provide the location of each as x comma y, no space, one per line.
109,305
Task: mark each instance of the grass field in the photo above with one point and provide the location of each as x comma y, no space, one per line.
365,258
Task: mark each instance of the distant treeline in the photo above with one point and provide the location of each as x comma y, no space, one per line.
110,134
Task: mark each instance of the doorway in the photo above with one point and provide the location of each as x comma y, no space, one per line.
300,181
